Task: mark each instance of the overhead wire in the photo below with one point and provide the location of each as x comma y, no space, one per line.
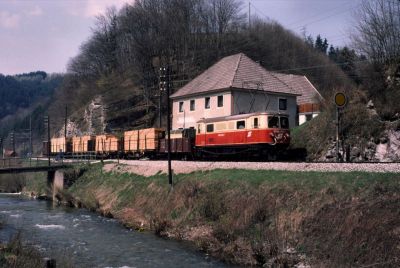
318,66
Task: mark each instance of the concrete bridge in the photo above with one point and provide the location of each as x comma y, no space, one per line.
55,172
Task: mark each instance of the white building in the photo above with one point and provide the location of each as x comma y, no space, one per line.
234,85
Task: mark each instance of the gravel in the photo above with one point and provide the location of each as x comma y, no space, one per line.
149,168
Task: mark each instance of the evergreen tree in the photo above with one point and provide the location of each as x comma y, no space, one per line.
321,44
325,46
332,53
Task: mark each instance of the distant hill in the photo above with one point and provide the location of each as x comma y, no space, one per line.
22,90
25,96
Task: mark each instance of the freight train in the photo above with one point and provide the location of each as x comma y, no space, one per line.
256,134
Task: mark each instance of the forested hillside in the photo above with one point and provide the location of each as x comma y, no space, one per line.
20,91
112,84
24,98
116,73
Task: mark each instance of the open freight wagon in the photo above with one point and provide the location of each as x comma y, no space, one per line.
108,145
83,144
142,142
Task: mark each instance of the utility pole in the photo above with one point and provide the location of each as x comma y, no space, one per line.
162,88
249,15
166,85
65,122
30,138
47,120
1,147
13,141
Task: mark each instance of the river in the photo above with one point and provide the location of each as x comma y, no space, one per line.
90,240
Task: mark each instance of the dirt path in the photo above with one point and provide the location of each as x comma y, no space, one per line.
149,168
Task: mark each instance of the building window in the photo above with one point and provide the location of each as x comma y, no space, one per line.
210,128
220,101
240,124
308,117
181,106
255,122
207,103
192,105
282,104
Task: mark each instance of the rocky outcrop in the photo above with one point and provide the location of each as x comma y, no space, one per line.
93,121
388,148
94,116
384,149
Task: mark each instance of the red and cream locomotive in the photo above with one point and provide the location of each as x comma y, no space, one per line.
257,132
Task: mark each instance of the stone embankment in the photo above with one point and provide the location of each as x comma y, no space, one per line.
149,168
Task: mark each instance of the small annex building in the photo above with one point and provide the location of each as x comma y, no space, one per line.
309,100
238,85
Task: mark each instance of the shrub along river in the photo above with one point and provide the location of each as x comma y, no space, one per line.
89,240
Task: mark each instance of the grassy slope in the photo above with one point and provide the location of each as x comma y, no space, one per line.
252,217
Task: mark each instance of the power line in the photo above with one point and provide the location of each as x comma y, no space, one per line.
318,66
319,15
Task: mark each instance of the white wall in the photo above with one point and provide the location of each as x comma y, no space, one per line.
238,103
302,117
187,118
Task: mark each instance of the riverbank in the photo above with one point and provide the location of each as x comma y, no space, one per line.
253,217
14,254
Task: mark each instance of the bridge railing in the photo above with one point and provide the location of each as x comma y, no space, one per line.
22,162
11,162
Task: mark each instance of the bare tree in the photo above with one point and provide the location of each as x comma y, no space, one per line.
379,30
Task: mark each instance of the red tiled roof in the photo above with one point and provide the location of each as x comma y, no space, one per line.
235,72
309,94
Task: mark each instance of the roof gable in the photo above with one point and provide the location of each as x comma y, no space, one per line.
308,93
235,72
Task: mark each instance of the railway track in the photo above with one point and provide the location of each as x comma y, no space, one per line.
148,168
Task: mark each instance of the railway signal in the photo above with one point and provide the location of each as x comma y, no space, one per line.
340,101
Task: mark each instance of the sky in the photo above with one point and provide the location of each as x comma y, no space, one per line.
45,34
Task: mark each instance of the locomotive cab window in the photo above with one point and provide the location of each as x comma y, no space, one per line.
198,128
273,122
255,122
181,106
282,104
210,128
284,122
241,124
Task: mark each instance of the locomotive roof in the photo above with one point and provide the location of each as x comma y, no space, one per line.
237,117
235,72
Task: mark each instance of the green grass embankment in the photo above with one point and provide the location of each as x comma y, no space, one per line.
258,217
